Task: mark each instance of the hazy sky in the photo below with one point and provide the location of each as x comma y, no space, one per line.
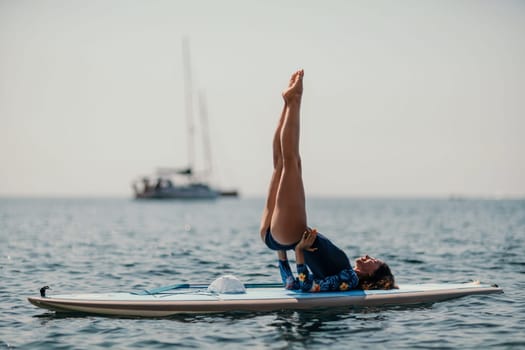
402,98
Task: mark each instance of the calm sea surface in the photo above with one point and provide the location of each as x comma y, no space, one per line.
103,245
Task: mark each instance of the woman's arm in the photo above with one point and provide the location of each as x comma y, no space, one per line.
306,281
345,280
289,281
305,243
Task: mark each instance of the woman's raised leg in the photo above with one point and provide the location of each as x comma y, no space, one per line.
288,221
266,218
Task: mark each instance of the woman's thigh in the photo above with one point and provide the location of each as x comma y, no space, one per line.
289,217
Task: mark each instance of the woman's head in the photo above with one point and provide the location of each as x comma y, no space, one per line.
373,274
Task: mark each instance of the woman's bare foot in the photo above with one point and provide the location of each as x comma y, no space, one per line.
294,91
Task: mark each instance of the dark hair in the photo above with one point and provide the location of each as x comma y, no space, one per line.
382,278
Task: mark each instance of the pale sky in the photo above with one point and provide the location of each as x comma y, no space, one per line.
402,98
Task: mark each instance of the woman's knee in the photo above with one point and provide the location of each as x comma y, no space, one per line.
277,164
292,160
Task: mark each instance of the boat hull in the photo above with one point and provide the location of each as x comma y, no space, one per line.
183,192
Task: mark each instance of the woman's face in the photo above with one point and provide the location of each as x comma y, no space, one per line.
367,265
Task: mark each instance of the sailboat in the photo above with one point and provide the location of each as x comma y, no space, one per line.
184,183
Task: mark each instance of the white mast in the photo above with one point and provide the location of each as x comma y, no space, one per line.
205,132
189,102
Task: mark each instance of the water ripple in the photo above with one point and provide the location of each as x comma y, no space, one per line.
96,245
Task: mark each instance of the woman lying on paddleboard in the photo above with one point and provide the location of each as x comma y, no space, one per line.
283,223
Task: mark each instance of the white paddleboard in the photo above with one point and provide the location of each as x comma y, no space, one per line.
192,300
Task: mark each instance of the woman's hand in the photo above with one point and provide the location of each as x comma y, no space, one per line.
307,240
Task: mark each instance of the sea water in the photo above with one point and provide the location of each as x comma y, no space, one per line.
104,245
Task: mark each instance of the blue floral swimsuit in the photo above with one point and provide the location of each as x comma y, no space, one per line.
330,270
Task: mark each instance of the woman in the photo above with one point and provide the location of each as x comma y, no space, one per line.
283,223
